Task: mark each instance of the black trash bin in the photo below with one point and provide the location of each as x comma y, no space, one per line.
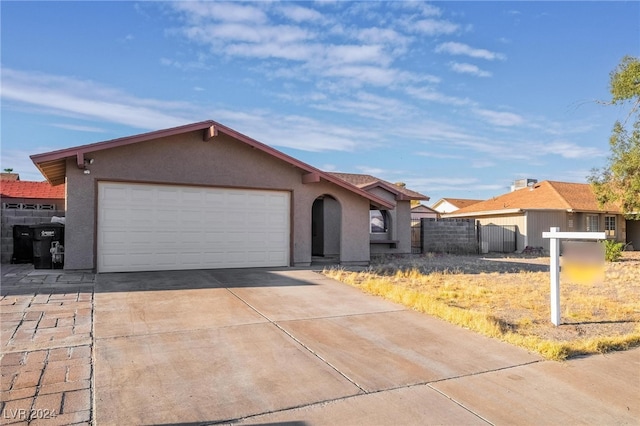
22,244
48,245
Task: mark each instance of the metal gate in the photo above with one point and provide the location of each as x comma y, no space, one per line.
416,236
497,238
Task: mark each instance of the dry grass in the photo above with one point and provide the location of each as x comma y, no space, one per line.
508,298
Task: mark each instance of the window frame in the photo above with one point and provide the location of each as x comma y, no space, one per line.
384,214
610,231
588,223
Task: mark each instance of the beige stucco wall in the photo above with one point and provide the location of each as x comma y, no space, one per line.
222,161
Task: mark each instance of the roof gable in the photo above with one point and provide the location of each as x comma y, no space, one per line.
368,182
53,164
31,190
458,203
421,208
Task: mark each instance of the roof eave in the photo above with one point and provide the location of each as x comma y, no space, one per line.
399,195
57,159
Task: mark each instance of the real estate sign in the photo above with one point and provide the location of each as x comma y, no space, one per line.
555,236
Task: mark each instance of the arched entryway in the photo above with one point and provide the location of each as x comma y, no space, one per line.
326,223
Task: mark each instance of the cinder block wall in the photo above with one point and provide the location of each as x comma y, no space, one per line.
449,236
12,217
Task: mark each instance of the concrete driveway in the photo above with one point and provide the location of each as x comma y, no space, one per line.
274,346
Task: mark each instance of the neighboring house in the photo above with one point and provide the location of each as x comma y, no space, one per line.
533,210
206,196
448,205
16,194
26,203
421,212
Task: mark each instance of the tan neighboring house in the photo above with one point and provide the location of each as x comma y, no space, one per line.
532,210
448,205
204,196
423,212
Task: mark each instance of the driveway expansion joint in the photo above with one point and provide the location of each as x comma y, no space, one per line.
315,354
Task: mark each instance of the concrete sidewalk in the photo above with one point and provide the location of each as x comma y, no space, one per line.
272,346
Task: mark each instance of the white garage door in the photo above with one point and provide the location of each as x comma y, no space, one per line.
143,227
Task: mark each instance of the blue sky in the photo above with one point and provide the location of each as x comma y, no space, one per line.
456,99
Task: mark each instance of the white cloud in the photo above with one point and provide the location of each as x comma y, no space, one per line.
382,35
482,164
79,128
366,104
300,14
61,96
220,11
570,150
428,94
434,27
439,155
297,132
464,68
347,54
455,48
420,6
500,118
243,32
450,184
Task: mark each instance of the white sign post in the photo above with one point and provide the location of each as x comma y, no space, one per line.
555,236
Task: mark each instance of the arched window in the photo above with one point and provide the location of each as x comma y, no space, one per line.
378,221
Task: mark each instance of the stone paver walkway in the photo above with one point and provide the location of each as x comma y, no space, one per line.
46,344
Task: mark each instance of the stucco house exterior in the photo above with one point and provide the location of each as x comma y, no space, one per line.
206,196
448,205
534,209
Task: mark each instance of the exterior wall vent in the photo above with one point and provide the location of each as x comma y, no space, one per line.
28,206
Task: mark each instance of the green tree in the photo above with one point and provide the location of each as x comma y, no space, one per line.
619,181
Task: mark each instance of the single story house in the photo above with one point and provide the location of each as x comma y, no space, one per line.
423,212
448,205
203,196
532,210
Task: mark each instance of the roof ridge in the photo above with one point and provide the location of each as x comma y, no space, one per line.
555,190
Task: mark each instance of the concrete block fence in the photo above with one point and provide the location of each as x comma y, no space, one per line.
457,236
11,217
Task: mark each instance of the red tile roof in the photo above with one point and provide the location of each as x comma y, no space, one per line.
546,195
33,190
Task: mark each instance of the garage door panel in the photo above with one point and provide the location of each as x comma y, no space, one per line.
162,227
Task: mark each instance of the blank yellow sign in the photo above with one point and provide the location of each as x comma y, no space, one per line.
583,262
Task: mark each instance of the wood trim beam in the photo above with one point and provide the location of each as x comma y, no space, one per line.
80,160
312,177
210,133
